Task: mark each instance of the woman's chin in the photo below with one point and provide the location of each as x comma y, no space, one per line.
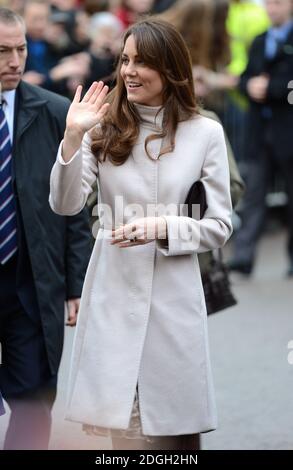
133,99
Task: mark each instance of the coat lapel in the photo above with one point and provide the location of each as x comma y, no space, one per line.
28,105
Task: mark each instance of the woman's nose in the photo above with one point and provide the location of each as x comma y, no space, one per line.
130,69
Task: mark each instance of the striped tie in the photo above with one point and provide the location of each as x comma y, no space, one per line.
8,228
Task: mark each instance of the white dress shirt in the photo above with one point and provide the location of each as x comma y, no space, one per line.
8,108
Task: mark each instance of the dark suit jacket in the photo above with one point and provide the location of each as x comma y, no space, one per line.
53,250
280,71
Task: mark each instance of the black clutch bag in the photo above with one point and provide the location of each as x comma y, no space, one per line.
216,282
196,196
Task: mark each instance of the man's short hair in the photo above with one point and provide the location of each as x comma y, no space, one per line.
9,17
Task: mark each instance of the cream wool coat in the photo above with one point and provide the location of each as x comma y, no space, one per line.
142,316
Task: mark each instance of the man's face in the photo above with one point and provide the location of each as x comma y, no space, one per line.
279,11
13,53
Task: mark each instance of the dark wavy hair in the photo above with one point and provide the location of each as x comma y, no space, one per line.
161,47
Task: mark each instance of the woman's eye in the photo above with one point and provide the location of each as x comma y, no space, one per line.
124,60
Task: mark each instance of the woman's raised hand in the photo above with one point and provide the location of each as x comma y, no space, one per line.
87,112
82,116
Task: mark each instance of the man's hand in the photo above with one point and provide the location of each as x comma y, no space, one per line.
257,87
72,311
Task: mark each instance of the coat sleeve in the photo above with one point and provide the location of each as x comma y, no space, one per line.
187,235
71,182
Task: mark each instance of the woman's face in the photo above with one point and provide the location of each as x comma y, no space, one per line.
143,84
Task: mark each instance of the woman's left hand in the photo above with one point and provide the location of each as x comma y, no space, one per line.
140,232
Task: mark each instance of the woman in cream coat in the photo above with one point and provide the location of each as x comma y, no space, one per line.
141,356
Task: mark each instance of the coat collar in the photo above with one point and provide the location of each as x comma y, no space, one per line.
151,116
28,103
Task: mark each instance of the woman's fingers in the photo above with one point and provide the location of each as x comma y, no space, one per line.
95,96
124,235
118,235
103,110
96,92
91,91
127,236
77,95
101,96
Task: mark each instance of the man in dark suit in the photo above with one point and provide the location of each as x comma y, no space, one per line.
269,136
43,257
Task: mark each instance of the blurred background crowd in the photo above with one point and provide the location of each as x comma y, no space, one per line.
77,41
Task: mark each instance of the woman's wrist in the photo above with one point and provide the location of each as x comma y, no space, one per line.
74,133
71,143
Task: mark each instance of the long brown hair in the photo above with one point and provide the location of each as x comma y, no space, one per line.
162,48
